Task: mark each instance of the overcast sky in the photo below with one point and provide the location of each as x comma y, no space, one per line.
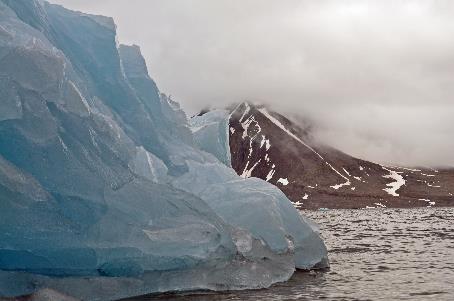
376,77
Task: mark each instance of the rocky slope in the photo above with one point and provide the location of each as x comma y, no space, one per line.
269,146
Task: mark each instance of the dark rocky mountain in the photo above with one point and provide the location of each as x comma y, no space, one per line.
266,145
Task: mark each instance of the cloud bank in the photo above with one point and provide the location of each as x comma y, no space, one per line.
375,77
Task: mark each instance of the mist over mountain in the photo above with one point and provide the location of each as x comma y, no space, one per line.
375,76
269,146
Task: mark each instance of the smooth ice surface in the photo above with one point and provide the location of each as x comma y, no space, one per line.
104,190
211,134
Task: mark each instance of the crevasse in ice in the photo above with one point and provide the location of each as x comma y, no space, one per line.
104,191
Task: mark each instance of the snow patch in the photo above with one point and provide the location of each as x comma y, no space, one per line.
346,171
246,110
283,181
247,173
270,175
429,202
282,127
250,148
298,204
267,157
393,186
245,125
306,196
429,184
341,185
265,142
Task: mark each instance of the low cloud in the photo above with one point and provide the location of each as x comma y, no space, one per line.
375,77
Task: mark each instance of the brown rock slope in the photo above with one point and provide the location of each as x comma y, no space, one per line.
266,145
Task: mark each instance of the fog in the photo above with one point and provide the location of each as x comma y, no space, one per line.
375,77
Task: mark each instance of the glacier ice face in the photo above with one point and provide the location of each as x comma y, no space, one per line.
247,203
210,132
149,166
104,192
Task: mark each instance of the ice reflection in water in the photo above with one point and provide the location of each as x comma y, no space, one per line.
383,254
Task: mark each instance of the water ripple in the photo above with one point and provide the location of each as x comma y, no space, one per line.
382,254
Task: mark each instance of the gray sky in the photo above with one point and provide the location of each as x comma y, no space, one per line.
376,77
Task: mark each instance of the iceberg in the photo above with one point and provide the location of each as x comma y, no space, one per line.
105,191
210,132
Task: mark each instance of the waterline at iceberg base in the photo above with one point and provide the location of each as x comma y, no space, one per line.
104,192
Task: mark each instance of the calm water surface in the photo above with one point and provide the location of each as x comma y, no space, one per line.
383,254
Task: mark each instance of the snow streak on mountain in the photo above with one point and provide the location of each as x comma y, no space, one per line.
267,145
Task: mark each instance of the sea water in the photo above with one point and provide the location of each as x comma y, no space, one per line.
375,254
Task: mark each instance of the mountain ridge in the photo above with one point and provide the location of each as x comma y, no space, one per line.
269,146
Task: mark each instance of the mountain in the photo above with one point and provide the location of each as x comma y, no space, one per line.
105,193
266,145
